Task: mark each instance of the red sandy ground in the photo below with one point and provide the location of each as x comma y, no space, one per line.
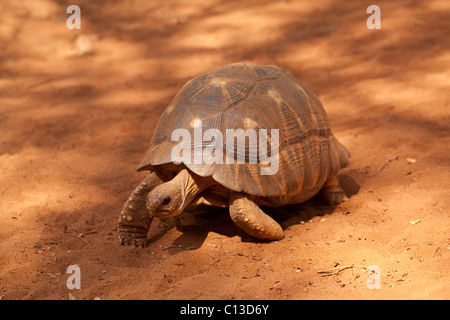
78,108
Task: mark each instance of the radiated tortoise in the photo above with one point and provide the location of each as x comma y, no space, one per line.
282,152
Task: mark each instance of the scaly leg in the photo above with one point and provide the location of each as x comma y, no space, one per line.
332,192
247,215
134,220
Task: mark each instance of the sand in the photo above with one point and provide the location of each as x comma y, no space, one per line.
78,109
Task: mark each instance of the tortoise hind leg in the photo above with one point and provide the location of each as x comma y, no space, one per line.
332,192
247,215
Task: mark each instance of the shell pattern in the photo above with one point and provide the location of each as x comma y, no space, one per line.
244,96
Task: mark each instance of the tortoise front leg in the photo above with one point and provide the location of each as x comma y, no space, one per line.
134,220
247,215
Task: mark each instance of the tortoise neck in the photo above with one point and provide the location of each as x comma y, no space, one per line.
191,185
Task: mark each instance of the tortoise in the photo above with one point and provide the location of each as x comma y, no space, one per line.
237,96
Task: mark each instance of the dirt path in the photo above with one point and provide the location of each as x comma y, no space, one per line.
78,107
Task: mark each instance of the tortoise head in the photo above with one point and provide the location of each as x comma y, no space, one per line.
169,199
166,200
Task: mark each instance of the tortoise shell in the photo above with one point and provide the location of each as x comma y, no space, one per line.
243,96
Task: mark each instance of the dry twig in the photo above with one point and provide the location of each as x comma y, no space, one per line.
336,270
383,165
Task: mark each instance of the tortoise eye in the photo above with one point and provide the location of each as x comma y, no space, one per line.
166,201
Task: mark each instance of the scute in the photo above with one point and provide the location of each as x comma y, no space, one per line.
244,95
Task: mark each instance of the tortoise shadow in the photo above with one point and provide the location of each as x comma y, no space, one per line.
197,223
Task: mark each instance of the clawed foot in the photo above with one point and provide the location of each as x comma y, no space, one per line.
249,217
133,239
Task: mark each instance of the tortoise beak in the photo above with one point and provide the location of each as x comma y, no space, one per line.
159,205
